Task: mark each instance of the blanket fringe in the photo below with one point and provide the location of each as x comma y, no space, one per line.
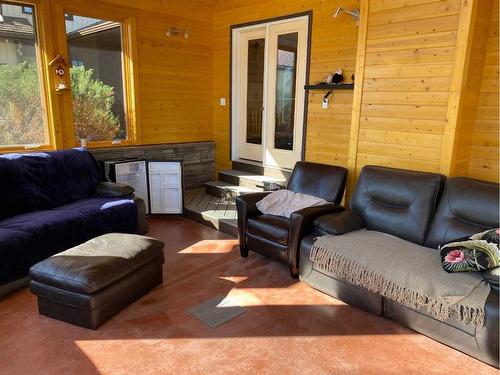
359,275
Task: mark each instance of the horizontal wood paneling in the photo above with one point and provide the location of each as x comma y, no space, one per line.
333,46
412,63
174,74
410,52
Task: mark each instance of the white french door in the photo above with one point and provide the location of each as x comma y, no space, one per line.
268,78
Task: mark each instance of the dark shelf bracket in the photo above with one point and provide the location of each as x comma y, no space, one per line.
327,86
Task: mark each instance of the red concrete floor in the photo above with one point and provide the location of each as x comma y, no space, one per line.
289,328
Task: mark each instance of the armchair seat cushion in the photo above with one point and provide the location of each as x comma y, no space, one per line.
270,227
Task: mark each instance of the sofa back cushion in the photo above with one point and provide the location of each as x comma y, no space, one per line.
44,180
319,180
396,201
467,207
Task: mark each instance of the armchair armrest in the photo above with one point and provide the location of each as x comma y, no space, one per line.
113,189
340,223
245,205
492,276
301,224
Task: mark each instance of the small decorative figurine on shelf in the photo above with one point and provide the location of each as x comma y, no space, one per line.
333,78
337,77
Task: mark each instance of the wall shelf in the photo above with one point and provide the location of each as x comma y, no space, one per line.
327,86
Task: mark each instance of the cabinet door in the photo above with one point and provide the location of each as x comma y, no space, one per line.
165,187
134,174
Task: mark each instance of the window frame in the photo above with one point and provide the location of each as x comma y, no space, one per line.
43,49
129,76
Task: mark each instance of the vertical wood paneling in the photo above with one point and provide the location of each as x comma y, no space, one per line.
463,144
484,155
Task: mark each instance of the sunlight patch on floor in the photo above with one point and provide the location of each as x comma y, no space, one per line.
210,247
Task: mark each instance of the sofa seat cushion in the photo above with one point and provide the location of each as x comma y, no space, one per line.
105,214
270,227
96,264
405,272
31,237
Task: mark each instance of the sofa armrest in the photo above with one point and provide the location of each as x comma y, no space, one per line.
492,276
245,205
301,224
142,220
340,223
113,189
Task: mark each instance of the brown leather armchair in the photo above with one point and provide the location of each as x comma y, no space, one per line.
279,237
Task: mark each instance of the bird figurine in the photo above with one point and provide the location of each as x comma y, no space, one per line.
337,77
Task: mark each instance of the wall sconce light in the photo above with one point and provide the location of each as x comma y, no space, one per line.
174,31
354,13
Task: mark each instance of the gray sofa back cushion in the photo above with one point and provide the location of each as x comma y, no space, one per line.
468,206
397,201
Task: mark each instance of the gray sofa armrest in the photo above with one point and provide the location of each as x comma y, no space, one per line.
339,223
113,189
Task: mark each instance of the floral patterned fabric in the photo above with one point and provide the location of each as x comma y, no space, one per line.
477,253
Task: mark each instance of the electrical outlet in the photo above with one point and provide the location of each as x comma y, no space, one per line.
222,102
325,104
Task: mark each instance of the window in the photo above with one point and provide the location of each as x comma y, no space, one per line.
95,52
22,116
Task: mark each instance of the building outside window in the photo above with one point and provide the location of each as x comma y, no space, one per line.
22,113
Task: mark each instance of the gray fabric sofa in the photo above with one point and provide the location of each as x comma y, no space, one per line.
413,207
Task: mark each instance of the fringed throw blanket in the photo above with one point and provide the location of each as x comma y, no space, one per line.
404,272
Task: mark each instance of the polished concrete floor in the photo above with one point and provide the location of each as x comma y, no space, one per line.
289,328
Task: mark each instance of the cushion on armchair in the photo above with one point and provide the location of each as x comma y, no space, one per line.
284,202
270,227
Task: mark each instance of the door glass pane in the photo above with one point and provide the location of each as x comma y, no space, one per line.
22,119
95,53
255,90
285,91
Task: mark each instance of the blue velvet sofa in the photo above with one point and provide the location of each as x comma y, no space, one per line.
52,201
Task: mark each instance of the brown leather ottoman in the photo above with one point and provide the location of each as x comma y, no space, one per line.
88,284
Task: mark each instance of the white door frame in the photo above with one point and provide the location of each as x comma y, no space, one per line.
300,95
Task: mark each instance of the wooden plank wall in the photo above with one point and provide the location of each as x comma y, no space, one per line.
333,46
174,74
475,65
417,87
410,53
409,59
484,156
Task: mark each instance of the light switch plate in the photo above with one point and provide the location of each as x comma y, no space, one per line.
222,102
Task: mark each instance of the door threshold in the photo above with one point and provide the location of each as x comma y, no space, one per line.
248,161
260,164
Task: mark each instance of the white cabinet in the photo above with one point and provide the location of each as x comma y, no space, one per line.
165,187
